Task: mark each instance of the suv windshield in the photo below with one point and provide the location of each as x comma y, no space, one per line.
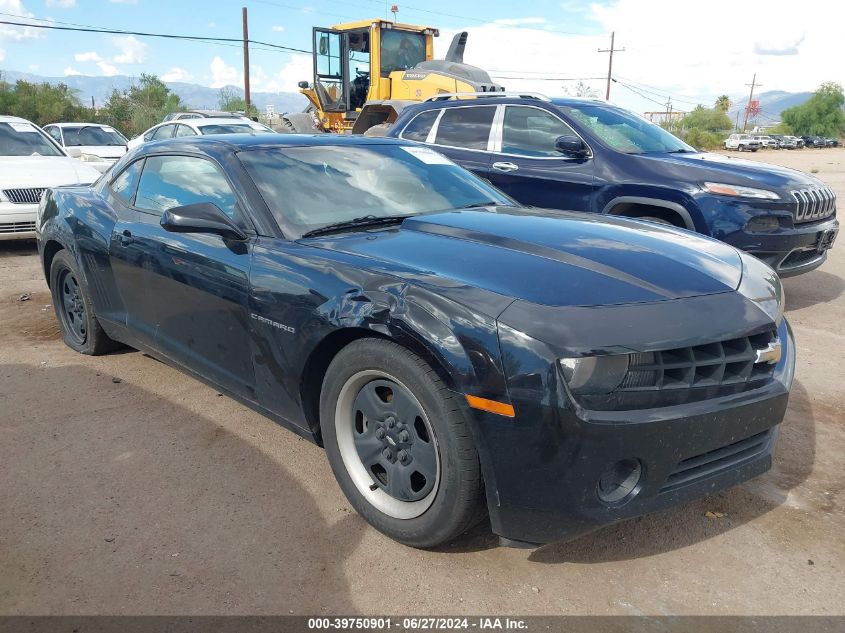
625,131
229,128
92,135
308,188
24,139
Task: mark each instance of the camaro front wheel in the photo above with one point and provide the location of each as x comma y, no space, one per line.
399,445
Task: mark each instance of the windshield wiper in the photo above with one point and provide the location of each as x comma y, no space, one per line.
682,151
364,220
476,205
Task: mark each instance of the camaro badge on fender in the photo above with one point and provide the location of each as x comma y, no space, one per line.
275,324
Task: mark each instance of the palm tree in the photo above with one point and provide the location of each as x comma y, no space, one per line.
723,103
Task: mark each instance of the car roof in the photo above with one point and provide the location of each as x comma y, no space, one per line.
81,124
217,142
215,121
5,118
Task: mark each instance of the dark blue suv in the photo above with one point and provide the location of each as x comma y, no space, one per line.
588,155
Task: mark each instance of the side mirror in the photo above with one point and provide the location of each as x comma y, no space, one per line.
571,145
73,152
303,84
201,217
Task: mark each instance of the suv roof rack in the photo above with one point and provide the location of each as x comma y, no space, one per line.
455,95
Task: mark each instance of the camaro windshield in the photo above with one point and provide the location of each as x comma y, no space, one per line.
24,139
626,132
92,136
310,187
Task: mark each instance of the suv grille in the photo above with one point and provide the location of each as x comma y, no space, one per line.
24,196
813,204
16,227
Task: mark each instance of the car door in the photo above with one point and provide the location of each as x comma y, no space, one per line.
463,134
197,283
526,165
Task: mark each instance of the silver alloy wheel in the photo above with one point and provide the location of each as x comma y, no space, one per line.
392,460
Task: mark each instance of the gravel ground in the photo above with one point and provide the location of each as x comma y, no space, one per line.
128,488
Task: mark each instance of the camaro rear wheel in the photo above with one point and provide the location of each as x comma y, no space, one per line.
80,329
399,445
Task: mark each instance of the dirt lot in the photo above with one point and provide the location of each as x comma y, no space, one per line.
129,488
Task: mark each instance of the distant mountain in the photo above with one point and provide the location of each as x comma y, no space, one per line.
195,95
772,103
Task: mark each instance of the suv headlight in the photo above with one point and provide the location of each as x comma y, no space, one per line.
724,189
594,374
761,285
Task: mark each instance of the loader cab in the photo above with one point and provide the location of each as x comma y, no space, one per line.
353,62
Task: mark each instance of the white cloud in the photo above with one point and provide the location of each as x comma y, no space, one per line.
132,50
278,29
70,71
61,4
90,56
520,21
107,69
177,74
32,67
2,55
17,33
124,1
224,75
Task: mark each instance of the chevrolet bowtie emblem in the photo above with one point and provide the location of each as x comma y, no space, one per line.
769,354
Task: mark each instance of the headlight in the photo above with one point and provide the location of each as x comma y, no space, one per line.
90,158
594,374
740,192
761,285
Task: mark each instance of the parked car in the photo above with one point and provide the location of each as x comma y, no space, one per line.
98,145
784,141
766,141
588,155
453,351
813,141
742,143
30,161
202,114
197,127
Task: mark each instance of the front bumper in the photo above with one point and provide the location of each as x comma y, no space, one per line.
542,468
17,221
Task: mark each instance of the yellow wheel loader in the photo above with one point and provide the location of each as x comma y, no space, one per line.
365,72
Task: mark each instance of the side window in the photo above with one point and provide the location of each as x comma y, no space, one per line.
174,181
165,131
532,131
55,133
124,186
467,127
420,126
184,130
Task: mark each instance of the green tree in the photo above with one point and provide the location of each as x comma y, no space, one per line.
822,114
581,90
141,107
706,119
723,103
41,103
229,100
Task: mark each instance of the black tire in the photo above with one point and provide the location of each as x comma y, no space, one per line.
455,501
300,123
74,310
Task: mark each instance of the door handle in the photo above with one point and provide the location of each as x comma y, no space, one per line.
505,166
126,238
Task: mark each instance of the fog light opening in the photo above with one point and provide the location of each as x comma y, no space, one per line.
621,481
763,224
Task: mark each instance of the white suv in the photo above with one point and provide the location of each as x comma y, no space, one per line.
30,162
742,142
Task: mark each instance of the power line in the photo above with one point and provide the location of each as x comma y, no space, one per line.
196,38
637,92
645,88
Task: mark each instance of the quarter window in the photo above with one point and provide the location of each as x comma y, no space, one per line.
418,129
465,127
55,133
165,131
184,130
125,184
174,181
532,132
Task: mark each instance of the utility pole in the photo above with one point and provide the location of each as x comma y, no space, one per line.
753,84
610,50
246,63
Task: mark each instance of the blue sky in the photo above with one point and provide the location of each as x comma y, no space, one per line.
677,48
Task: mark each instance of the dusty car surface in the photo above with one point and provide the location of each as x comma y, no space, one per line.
456,354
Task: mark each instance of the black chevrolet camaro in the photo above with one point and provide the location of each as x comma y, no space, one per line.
456,354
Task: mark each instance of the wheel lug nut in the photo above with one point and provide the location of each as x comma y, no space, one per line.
403,436
380,433
403,456
387,454
391,422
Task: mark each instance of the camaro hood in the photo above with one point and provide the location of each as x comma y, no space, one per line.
21,172
705,166
548,257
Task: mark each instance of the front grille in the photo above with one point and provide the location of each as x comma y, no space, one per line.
731,362
24,196
813,204
17,227
694,468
